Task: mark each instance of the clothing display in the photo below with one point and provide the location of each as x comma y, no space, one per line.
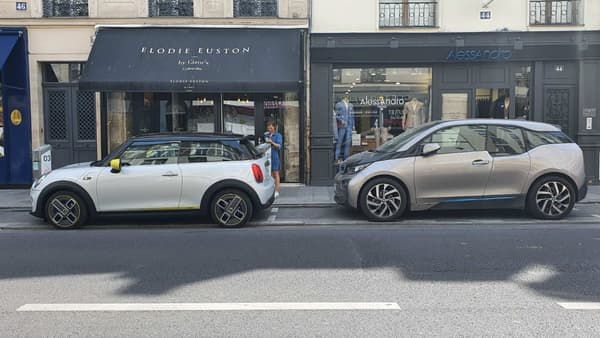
414,114
502,107
344,114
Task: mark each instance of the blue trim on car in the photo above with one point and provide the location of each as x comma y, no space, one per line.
478,199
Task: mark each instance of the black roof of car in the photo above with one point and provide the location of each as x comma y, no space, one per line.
187,136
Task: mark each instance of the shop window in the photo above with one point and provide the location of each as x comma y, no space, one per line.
455,106
554,12
253,8
372,105
62,72
239,114
522,98
65,8
170,8
492,103
407,13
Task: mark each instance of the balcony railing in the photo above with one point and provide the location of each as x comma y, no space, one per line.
170,8
405,13
65,8
554,12
252,8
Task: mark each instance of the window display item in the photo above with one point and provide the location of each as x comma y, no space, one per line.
344,114
414,113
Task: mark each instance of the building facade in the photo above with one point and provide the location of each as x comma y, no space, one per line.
182,57
400,63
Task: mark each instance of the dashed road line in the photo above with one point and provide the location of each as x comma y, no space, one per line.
306,306
274,210
580,305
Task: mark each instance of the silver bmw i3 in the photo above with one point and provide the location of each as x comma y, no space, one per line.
466,164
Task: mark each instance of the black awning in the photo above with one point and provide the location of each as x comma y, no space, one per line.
194,59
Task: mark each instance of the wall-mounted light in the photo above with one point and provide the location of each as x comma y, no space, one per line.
518,44
559,68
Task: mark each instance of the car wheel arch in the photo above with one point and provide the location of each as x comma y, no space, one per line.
553,173
392,177
69,186
228,184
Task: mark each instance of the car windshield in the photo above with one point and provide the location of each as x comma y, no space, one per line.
402,139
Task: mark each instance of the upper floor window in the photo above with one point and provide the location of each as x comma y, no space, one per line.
243,8
407,13
65,8
170,8
554,12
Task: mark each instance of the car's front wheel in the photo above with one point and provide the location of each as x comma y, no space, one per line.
551,197
66,210
231,208
383,200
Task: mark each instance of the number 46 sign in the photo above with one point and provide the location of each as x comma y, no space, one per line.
21,6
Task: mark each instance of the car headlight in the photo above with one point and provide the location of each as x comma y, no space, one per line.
39,180
357,168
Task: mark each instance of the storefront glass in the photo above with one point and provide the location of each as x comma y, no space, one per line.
372,105
522,99
132,114
492,103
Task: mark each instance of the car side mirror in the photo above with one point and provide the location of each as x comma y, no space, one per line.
115,166
430,148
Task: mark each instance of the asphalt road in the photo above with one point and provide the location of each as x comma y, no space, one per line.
447,278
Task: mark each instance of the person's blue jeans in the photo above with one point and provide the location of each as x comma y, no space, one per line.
344,136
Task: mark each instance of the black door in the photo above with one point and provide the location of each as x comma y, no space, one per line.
559,107
70,123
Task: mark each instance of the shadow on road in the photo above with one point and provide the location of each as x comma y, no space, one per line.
159,261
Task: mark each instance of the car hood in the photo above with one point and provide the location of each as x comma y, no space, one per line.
367,157
76,165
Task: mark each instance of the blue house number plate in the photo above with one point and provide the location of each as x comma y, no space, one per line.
21,6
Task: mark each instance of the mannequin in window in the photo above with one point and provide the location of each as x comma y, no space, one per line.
344,115
502,107
414,114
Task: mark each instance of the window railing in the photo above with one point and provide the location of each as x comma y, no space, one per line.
554,12
65,8
251,8
405,13
170,8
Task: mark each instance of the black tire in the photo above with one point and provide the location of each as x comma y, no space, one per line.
551,197
231,208
383,200
66,210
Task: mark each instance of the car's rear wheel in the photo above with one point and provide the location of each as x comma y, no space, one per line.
551,197
231,208
66,210
383,200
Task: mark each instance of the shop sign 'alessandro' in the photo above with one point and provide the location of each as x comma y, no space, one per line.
195,51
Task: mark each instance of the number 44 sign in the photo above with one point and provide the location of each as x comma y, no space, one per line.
21,6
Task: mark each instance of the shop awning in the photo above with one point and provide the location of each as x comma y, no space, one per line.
7,42
194,59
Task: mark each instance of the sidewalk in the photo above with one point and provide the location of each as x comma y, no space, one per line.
291,195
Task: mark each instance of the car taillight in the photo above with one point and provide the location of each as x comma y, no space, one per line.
258,174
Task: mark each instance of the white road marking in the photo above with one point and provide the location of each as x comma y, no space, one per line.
274,210
580,305
272,218
77,307
597,216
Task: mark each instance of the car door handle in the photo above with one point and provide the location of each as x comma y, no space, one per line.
480,162
170,174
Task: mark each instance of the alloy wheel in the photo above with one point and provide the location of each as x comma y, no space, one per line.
384,200
64,211
553,198
231,210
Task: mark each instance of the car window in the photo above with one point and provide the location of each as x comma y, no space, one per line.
150,153
505,141
540,138
460,139
214,151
